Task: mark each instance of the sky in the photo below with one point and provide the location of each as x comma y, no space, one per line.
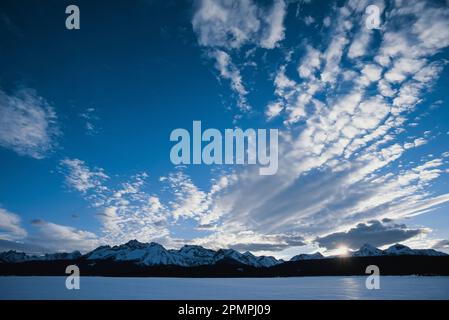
362,115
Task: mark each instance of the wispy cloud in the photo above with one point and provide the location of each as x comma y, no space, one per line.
90,119
230,72
81,177
225,26
345,106
124,209
346,114
28,123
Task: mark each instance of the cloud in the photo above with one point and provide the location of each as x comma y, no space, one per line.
129,212
10,226
55,237
229,71
80,177
50,237
373,232
192,202
224,26
90,119
442,244
232,23
272,243
345,105
125,211
308,20
345,113
229,237
273,110
274,31
28,124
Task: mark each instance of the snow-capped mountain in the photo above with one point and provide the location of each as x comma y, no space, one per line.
395,250
305,256
61,256
153,254
401,250
13,256
268,261
189,255
429,252
367,250
246,258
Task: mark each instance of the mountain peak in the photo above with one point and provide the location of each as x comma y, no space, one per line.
399,249
188,247
134,244
305,256
367,246
367,250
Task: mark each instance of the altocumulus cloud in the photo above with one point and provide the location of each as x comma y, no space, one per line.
28,124
345,113
223,26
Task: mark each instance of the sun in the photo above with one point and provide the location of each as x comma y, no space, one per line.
342,250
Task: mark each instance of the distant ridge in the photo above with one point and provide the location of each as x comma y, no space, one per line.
154,254
136,259
150,254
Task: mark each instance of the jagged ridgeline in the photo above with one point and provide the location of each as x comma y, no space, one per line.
151,259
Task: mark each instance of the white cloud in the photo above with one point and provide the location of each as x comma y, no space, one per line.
229,71
80,177
308,20
403,68
372,72
359,45
55,237
419,142
334,167
90,119
310,63
192,202
273,110
225,23
27,123
223,26
232,23
10,226
129,212
274,32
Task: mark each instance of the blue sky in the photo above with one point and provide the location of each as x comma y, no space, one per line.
86,117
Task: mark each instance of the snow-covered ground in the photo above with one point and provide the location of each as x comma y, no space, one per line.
207,288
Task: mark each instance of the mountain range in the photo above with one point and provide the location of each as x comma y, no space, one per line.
154,254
